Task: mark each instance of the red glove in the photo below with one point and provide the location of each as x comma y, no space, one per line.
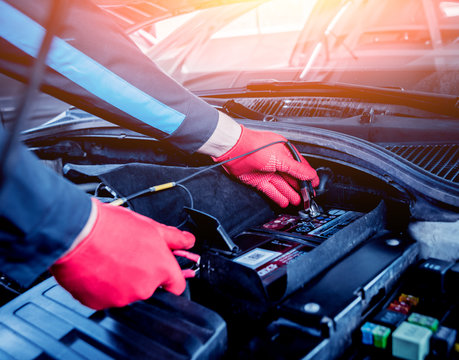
124,258
272,170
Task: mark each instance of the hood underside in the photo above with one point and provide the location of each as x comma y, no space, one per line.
134,14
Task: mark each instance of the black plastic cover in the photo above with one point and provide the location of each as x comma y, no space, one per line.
47,323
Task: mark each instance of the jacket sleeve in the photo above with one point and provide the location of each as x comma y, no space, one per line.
94,66
41,214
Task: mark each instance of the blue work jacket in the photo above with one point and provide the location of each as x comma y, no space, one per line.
95,67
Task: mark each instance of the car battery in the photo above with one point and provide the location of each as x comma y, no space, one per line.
268,262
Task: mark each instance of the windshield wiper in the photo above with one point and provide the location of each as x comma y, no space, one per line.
436,103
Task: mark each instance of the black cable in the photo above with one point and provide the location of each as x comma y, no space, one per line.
228,160
153,189
297,157
9,151
2,118
189,194
191,204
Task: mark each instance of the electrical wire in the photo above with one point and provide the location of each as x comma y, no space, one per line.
189,194
171,184
191,204
9,151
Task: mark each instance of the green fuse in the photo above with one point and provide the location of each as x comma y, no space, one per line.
425,321
380,336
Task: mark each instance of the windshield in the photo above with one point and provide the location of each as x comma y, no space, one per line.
410,44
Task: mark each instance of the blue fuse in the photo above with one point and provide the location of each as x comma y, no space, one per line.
367,333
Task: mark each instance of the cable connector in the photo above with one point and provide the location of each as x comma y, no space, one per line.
153,189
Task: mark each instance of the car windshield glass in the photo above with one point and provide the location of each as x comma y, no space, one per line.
410,44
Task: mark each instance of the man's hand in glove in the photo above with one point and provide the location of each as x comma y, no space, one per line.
122,257
272,170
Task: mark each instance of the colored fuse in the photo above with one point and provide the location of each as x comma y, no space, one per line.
380,336
408,299
411,342
367,333
423,320
403,308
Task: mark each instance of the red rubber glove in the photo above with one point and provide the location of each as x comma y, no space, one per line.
124,258
272,170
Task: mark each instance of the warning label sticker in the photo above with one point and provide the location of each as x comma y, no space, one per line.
281,261
256,257
272,255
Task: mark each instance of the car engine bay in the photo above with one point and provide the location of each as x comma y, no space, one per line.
270,282
369,272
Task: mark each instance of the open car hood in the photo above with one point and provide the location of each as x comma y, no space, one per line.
134,14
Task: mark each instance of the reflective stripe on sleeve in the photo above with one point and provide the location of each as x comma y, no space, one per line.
26,34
